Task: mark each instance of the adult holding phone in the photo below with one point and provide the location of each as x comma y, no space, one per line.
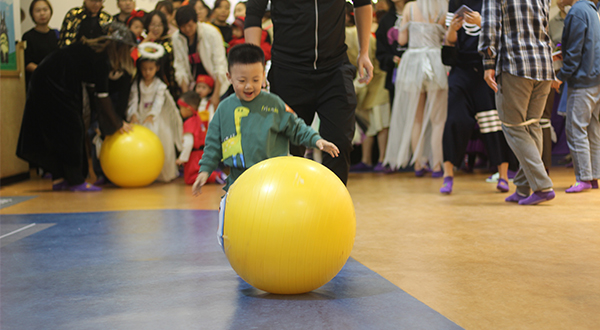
470,99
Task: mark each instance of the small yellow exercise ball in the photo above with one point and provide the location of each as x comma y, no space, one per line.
132,159
289,225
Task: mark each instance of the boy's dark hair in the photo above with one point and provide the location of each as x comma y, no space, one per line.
245,54
186,14
191,98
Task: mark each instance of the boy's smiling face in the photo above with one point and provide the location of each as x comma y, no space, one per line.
247,80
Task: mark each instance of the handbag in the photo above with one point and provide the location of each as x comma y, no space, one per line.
449,55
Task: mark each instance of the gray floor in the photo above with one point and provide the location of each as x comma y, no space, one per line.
164,270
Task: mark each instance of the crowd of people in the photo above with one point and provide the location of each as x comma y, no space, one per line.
422,80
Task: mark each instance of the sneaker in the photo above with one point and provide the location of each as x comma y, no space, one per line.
579,186
437,174
538,197
493,178
594,184
515,198
502,185
361,167
379,168
84,187
447,186
63,185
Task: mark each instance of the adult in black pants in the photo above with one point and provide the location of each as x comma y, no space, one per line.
310,69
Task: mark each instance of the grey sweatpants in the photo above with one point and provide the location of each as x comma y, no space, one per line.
520,100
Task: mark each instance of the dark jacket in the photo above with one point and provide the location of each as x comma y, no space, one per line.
385,52
71,29
581,46
306,37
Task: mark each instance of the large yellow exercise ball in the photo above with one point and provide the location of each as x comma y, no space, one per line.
289,225
132,159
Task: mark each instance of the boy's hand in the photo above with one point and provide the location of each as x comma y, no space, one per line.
179,162
200,181
149,120
328,147
134,119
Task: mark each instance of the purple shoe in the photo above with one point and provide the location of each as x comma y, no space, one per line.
379,168
594,184
515,198
502,185
85,187
538,197
437,174
511,174
580,186
447,186
361,167
63,185
420,173
101,181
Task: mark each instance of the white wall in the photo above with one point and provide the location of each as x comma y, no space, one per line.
61,7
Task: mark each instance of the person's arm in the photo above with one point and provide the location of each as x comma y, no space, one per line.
188,145
383,52
255,10
132,107
452,32
64,30
403,29
159,101
180,62
572,47
489,40
213,152
364,19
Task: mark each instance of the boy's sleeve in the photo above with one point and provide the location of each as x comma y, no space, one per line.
572,46
213,152
298,132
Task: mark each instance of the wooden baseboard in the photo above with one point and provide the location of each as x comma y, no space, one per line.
14,178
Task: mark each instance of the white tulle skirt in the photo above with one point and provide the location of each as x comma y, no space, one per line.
420,71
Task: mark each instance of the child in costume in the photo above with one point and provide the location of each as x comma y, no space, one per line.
252,125
195,126
151,105
204,88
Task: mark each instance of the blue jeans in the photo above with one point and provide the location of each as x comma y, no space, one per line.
583,131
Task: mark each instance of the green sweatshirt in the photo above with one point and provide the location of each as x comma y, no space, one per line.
242,134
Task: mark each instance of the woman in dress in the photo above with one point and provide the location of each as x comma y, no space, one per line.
421,90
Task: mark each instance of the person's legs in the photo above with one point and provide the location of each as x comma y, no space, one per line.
382,138
520,100
336,103
438,101
594,136
579,116
416,131
297,91
367,150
